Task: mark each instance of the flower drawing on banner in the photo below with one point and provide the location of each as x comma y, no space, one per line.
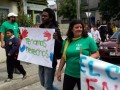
24,33
22,48
51,56
48,35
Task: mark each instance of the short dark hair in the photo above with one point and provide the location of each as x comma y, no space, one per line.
51,15
10,30
71,25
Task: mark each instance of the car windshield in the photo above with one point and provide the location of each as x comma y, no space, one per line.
115,35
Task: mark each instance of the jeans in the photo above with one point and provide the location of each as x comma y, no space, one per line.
46,75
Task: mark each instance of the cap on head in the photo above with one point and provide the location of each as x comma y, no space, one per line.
12,14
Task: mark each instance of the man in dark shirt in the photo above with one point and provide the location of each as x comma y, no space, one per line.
9,24
47,74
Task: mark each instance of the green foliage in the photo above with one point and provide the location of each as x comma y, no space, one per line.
109,9
2,18
24,21
68,9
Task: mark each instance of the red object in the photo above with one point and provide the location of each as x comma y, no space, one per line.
24,33
107,50
48,35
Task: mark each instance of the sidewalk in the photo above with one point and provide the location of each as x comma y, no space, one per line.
17,82
37,86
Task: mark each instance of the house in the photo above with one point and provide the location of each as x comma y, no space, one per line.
7,6
32,8
91,7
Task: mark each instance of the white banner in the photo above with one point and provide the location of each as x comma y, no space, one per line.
37,46
98,75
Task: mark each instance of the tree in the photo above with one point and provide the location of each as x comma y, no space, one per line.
109,9
67,9
20,6
24,20
2,18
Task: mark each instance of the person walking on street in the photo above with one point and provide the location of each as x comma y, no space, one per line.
47,74
77,42
98,23
114,27
103,31
110,31
87,28
9,24
12,47
96,35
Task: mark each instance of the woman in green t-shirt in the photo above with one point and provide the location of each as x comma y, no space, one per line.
77,42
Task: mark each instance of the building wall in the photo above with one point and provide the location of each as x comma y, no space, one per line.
93,3
11,6
6,7
35,10
63,29
97,15
92,7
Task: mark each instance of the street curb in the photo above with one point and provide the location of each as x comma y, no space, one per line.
17,84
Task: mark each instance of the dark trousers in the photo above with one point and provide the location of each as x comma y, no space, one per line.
70,82
103,37
97,44
11,63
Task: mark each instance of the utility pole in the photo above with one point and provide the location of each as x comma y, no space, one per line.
78,2
89,12
57,3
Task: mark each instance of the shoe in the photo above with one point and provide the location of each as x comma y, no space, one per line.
8,80
24,76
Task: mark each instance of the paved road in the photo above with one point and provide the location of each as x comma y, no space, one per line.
37,86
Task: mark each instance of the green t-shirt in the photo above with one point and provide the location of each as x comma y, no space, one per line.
8,25
87,45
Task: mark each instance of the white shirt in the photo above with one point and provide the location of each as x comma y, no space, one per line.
12,37
91,30
89,34
96,36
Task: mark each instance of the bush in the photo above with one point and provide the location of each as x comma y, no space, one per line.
24,21
2,19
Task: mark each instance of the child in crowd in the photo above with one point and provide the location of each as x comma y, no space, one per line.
87,28
96,35
12,46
